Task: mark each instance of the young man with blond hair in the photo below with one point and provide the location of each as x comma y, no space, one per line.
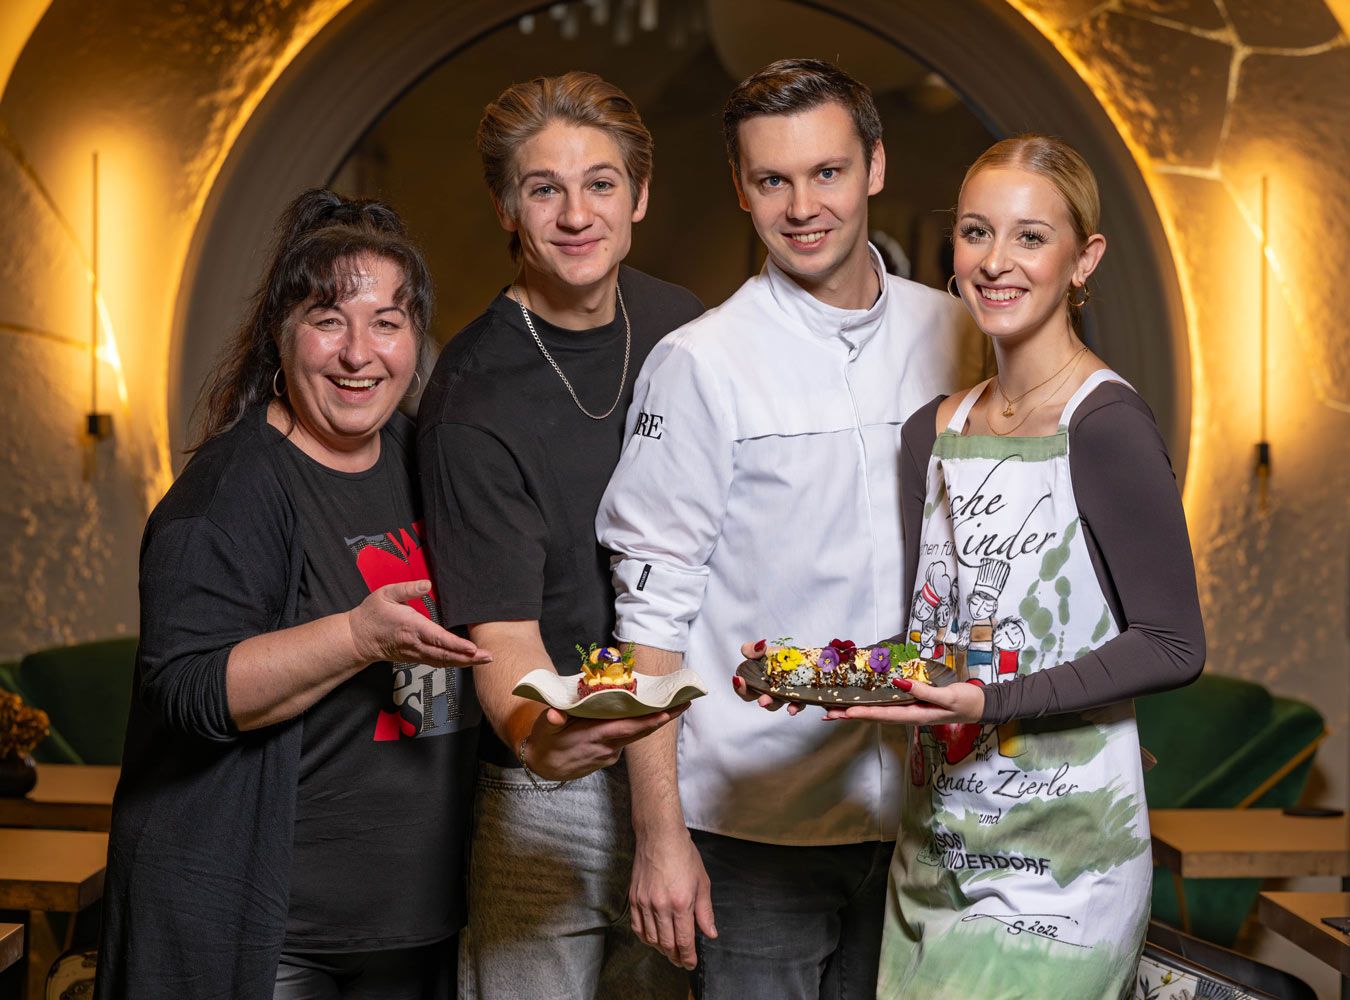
519,430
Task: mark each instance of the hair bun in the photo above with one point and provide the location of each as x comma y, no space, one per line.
320,208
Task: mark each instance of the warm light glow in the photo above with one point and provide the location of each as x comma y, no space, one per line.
107,349
1106,97
133,273
315,20
16,26
1283,272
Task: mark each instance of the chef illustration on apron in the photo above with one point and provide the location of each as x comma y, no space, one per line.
1023,864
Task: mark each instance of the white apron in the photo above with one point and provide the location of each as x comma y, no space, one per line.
1022,869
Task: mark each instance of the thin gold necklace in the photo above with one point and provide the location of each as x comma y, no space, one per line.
1008,408
627,351
1053,393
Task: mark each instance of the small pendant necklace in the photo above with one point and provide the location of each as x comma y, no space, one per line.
1027,416
1008,407
627,352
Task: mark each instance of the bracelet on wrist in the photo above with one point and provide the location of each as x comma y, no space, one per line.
536,780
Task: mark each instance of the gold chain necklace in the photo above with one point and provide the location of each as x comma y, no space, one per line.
1008,408
1052,395
518,295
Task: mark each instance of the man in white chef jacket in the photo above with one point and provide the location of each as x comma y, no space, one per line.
759,495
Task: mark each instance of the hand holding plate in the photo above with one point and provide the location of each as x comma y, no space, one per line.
954,703
758,651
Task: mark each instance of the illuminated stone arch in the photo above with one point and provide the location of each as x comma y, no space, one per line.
371,53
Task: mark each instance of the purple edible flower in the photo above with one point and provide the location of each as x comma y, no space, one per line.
609,655
828,659
879,659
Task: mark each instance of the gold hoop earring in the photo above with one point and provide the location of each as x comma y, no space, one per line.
954,294
413,392
276,389
1087,294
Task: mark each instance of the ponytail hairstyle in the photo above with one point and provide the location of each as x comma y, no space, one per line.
316,246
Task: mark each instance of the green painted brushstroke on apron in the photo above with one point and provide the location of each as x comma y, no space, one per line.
978,959
1082,832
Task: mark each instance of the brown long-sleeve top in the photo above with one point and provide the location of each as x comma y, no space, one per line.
1136,535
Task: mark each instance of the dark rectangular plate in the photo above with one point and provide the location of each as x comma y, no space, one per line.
756,679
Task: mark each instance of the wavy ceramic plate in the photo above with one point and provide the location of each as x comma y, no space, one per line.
652,695
755,677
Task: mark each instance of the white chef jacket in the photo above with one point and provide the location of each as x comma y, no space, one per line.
758,496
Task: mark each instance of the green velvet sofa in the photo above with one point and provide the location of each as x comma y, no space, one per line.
85,690
1223,743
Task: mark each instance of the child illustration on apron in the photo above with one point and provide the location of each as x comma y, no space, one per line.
1023,866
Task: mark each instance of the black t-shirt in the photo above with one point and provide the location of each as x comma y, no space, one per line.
386,759
513,471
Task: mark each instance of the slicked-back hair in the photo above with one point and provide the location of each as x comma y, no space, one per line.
316,251
791,86
1059,163
523,110
1063,166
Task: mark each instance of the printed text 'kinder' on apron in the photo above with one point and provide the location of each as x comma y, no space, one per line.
1022,867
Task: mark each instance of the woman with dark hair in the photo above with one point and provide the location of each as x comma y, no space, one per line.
296,782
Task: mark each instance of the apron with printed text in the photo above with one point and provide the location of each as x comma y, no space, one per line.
1022,867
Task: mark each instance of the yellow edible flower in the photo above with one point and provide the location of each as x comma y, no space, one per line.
786,659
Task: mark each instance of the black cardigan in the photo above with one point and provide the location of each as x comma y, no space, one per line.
199,854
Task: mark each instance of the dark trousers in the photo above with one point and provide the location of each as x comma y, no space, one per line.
425,973
793,923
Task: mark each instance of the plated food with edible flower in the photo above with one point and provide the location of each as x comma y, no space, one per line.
605,668
843,673
607,686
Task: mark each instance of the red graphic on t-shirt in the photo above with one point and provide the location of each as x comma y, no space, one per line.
397,557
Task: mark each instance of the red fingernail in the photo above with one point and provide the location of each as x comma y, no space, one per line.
903,684
759,646
737,683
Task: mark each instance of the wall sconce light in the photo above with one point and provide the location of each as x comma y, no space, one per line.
97,425
1263,443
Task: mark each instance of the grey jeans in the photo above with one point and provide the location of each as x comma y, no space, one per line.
548,895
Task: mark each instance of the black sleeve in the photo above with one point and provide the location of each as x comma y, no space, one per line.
1131,510
486,535
916,442
203,590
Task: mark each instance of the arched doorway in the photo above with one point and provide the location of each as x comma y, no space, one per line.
678,63
373,52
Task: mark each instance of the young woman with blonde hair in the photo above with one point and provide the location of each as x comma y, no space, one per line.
1022,867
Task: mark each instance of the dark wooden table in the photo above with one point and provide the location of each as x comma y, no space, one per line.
47,870
11,951
1298,917
11,944
73,796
